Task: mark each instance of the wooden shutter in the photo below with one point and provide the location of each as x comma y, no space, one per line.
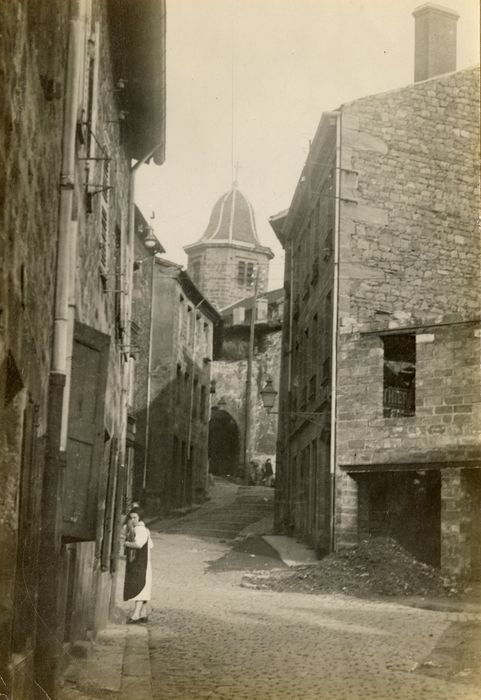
85,433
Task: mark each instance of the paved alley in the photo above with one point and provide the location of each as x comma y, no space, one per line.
211,638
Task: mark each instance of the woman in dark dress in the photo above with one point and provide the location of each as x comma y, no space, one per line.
138,571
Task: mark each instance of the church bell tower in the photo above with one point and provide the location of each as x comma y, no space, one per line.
224,262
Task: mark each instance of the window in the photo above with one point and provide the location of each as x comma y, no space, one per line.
326,371
118,283
178,383
104,242
399,375
189,324
245,273
304,397
314,339
203,402
195,397
327,305
175,451
196,271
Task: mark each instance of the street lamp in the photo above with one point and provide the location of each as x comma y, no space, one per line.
150,241
268,395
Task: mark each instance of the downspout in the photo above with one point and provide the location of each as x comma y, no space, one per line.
67,176
334,341
70,332
47,653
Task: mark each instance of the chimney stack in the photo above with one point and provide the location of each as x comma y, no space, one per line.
434,41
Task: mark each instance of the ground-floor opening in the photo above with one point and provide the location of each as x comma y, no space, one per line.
224,444
405,506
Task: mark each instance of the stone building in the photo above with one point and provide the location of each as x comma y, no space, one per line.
231,268
380,368
146,248
224,263
175,328
240,433
75,114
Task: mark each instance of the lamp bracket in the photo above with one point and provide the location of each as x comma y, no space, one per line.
99,190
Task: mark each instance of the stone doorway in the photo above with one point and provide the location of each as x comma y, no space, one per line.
224,444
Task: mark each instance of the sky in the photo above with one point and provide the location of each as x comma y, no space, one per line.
247,82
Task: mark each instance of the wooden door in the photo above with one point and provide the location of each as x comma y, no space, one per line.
85,433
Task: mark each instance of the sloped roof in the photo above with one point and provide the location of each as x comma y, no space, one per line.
138,47
273,296
232,219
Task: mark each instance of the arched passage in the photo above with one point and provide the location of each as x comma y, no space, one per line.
224,443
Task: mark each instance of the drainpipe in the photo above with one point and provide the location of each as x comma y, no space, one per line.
47,652
70,332
335,316
60,337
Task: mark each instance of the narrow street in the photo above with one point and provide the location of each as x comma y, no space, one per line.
211,638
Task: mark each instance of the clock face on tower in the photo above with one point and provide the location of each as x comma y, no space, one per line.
226,262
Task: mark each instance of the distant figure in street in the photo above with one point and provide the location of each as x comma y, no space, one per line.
252,473
267,473
138,570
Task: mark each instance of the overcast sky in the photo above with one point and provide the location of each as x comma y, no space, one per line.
290,61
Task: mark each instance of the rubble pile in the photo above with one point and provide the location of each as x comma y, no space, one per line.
377,566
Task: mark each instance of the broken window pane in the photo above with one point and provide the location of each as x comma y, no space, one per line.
399,397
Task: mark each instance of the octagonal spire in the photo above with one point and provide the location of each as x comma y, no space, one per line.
232,219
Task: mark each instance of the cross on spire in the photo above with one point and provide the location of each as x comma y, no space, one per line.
235,182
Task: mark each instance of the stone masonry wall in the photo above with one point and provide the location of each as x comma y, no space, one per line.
409,204
32,63
410,255
409,258
218,276
230,378
446,424
171,417
97,295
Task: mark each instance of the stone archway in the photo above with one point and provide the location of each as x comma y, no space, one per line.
224,444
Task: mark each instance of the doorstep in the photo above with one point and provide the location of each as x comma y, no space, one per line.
118,665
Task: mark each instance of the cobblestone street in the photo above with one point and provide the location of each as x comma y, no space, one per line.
211,638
